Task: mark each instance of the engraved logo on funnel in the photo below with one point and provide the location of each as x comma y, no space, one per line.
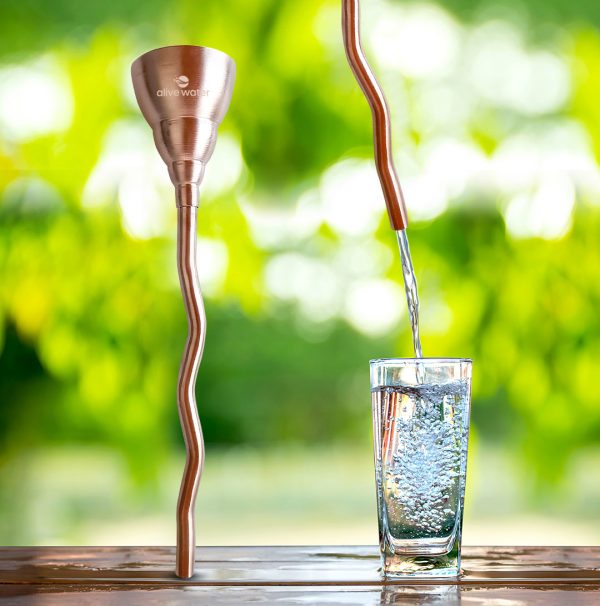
182,89
182,81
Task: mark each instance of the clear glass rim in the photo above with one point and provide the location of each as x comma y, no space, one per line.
413,361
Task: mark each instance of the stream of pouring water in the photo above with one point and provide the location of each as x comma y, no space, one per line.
410,286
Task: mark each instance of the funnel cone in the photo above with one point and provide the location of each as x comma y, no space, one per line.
184,93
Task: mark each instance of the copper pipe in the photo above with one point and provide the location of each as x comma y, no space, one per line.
186,398
184,93
382,135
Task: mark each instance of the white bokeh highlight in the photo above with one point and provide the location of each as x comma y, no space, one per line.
351,197
35,99
374,307
420,40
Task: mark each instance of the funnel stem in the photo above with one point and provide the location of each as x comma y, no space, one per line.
382,133
186,399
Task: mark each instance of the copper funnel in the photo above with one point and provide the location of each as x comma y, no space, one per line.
184,93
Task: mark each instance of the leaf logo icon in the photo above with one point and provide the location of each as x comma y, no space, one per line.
182,81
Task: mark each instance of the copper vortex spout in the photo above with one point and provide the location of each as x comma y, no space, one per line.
382,136
184,93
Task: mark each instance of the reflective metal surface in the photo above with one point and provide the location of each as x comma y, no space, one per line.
382,137
184,93
186,385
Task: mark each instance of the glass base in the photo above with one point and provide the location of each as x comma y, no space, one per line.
420,567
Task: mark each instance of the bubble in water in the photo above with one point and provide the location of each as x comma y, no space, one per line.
423,457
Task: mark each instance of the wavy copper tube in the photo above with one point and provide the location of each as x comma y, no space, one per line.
186,399
382,136
184,93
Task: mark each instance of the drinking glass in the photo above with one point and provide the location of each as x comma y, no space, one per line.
421,412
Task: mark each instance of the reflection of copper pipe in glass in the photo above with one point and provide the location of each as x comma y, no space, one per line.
388,424
184,94
382,136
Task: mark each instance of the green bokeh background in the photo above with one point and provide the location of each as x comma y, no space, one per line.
91,320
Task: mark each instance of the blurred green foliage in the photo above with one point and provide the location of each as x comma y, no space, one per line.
92,324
